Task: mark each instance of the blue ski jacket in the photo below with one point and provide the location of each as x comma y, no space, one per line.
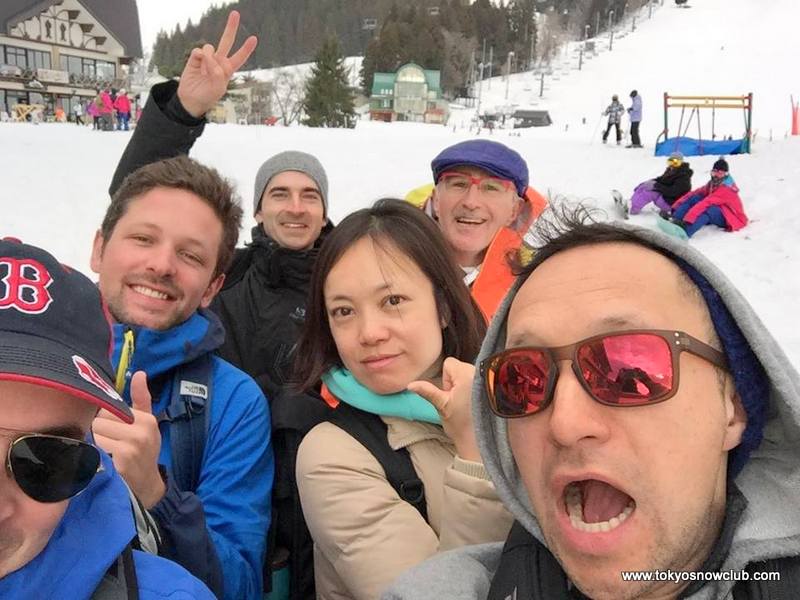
96,527
217,531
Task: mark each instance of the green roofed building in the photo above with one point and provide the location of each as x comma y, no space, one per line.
410,94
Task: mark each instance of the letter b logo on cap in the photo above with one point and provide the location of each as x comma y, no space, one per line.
23,285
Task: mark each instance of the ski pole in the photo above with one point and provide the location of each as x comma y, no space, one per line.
596,127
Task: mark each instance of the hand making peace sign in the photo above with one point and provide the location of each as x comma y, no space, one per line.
205,77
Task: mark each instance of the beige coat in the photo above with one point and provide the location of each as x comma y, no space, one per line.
364,534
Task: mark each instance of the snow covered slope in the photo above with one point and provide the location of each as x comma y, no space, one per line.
54,177
716,47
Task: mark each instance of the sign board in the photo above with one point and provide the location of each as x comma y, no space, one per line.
53,76
10,71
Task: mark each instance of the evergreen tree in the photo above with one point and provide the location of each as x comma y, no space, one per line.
329,99
159,50
522,27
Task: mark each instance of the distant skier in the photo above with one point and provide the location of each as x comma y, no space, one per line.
716,203
665,189
615,110
635,115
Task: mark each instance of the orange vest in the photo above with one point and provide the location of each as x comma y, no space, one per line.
495,276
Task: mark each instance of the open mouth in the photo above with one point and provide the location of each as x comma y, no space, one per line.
294,225
595,506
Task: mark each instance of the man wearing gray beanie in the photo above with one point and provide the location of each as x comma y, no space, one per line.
262,303
262,306
290,160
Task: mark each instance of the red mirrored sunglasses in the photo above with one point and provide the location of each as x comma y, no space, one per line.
625,368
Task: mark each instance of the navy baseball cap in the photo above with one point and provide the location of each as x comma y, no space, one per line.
493,157
54,329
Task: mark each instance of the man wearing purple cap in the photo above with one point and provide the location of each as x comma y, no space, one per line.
65,515
484,206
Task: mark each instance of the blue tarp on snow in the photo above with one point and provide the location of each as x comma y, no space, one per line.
694,147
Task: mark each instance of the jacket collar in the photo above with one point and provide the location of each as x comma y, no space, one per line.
283,267
402,433
158,352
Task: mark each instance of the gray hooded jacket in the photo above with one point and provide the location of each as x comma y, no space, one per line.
770,481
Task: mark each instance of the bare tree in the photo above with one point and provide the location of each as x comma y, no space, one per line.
580,16
246,80
288,91
550,37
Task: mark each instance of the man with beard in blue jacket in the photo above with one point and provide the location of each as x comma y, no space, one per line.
66,523
161,253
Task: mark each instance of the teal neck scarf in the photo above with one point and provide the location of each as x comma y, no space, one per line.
406,405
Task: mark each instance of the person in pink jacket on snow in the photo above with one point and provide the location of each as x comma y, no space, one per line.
94,112
123,106
106,110
716,203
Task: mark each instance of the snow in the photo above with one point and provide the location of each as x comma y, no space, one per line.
716,47
302,71
55,176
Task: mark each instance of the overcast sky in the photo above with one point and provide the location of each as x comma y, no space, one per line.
155,15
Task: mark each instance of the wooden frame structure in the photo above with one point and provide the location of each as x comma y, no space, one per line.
698,103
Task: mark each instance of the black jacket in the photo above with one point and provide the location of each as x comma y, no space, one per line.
262,306
164,130
674,183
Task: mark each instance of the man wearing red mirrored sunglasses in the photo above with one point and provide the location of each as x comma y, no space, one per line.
66,522
634,418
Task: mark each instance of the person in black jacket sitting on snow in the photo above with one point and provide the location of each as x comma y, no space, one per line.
664,190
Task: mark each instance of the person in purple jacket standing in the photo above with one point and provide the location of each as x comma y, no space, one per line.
635,115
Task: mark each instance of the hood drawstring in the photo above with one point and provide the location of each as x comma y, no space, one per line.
124,360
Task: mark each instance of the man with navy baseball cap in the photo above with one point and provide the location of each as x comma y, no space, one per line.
483,204
65,515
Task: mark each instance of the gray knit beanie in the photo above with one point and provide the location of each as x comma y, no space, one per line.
291,160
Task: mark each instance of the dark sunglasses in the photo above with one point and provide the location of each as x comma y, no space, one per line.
50,468
625,368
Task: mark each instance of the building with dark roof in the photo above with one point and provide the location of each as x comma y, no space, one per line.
60,52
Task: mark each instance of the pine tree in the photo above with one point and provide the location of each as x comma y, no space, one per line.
329,99
158,57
